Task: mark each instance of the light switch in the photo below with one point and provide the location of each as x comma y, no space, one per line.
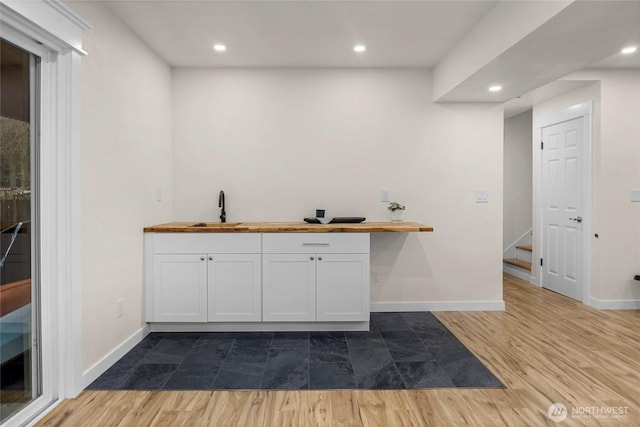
159,194
385,195
482,196
635,194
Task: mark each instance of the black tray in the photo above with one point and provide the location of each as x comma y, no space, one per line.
338,220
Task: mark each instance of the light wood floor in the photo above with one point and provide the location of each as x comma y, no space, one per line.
545,348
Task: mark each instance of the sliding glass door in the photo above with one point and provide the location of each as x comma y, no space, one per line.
19,347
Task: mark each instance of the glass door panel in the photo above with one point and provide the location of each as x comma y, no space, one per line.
19,373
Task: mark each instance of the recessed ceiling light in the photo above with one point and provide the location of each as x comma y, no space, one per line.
495,88
219,47
629,50
359,48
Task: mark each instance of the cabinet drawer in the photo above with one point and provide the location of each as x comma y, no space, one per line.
205,243
315,243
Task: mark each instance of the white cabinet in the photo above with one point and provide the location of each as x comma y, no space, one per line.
234,288
342,288
329,284
180,288
193,279
238,279
289,287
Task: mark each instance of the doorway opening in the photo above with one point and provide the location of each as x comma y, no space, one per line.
547,192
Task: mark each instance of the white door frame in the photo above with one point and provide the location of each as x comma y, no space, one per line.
54,32
584,110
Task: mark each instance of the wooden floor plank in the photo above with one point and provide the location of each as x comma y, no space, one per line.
344,409
545,348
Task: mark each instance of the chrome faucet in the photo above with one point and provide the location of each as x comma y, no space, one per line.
223,213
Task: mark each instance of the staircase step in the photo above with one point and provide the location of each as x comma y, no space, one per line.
527,248
518,263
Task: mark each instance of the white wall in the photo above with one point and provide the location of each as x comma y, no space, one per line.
283,142
616,218
616,161
517,177
126,154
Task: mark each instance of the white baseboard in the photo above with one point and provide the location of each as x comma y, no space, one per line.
518,272
438,306
91,374
610,304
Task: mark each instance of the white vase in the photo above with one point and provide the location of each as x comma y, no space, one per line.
396,215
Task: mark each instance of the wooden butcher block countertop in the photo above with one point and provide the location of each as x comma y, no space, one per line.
288,227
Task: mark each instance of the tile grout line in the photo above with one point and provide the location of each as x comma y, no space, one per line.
264,368
136,365
353,369
346,342
384,340
178,366
395,365
309,362
224,361
435,356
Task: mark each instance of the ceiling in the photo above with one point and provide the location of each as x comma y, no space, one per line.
618,60
544,93
301,33
397,33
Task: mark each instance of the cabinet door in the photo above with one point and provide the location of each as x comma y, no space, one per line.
343,287
234,283
288,287
180,288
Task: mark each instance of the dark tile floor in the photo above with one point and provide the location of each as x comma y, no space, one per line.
401,351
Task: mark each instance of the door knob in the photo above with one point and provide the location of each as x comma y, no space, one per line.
577,219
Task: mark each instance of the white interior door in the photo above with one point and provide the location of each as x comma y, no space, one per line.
562,207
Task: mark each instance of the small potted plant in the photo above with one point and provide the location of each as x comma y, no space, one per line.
396,211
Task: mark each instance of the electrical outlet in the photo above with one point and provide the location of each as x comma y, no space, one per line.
375,277
482,196
385,195
120,304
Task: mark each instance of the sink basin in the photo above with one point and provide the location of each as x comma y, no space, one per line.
215,224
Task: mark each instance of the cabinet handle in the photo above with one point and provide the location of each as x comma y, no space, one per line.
201,258
316,244
319,258
210,258
311,258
